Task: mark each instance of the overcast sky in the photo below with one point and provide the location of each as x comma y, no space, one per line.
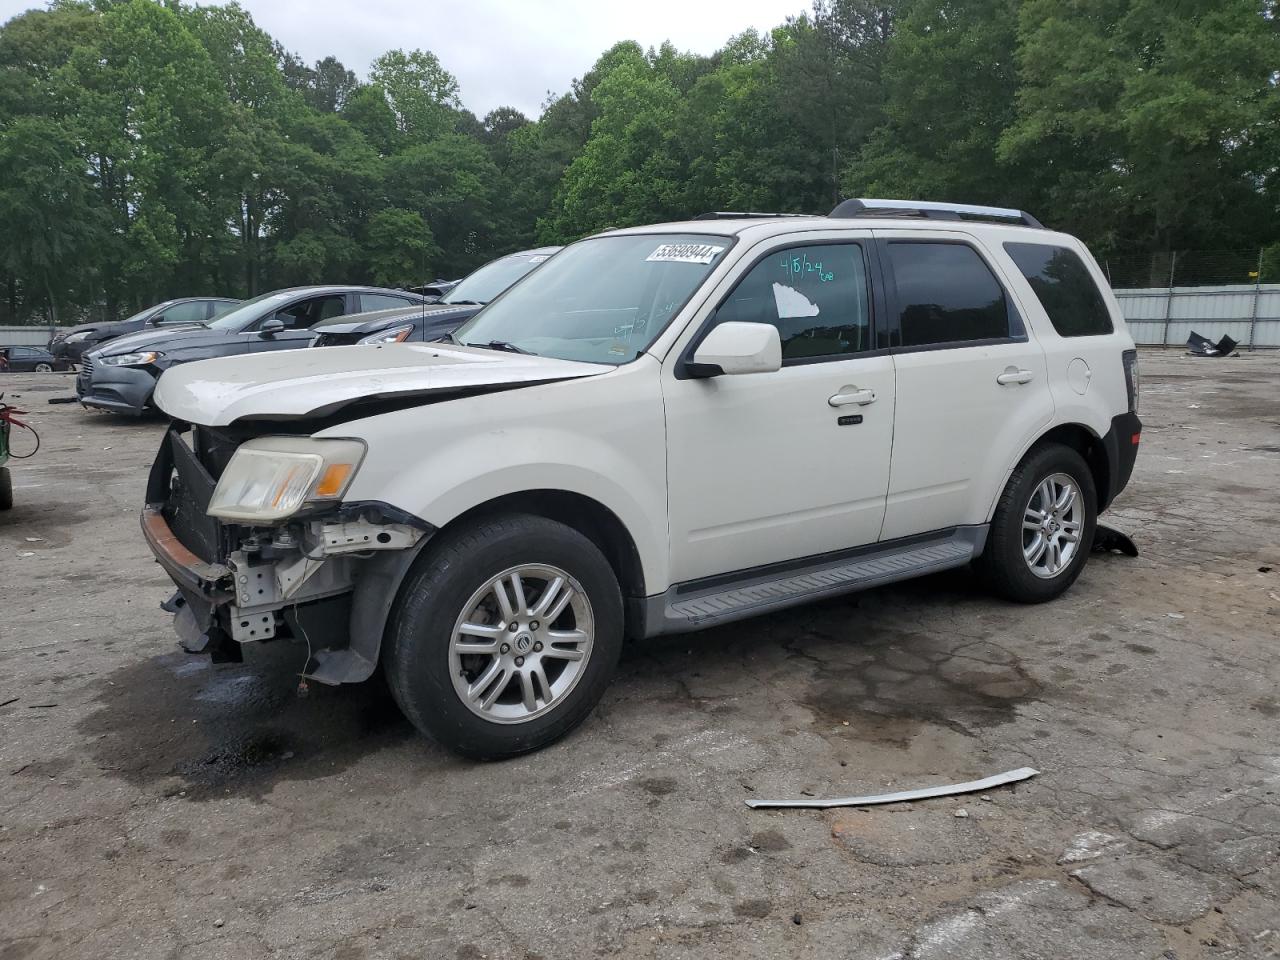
503,52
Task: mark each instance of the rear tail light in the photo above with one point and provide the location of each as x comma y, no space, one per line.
1131,378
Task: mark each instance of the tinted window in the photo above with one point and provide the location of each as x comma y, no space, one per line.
946,293
1064,287
815,295
308,312
381,301
193,311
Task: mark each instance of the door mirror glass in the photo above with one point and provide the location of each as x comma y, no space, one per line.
271,326
733,348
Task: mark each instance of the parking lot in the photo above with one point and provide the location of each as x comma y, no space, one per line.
152,805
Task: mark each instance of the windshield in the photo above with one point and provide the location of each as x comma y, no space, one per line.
247,312
481,286
602,300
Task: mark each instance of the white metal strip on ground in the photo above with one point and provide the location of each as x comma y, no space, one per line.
973,786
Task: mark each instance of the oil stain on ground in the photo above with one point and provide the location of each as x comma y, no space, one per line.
234,730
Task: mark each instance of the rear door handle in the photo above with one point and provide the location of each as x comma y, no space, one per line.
850,395
1014,375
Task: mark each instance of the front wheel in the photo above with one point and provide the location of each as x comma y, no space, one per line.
1043,526
43,368
505,636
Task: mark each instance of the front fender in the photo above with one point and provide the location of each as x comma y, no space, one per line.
600,437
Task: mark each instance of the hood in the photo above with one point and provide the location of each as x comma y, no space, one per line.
372,323
64,332
318,383
163,339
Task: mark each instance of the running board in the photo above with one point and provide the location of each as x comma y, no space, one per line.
693,608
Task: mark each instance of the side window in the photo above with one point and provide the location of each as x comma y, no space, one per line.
22,353
381,301
1064,287
815,295
299,316
191,312
946,294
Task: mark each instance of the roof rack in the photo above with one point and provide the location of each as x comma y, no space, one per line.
849,209
740,215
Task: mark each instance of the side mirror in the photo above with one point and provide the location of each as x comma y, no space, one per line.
271,327
156,321
733,348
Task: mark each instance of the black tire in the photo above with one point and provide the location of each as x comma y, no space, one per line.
43,368
416,655
1002,564
6,489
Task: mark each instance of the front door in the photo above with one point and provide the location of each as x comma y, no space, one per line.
776,466
972,383
298,319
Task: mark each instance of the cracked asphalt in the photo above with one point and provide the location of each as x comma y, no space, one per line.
152,805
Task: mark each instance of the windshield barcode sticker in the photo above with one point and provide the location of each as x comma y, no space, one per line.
684,253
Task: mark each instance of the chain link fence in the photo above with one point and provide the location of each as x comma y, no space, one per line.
1168,295
1191,268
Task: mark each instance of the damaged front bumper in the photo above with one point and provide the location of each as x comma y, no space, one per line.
327,580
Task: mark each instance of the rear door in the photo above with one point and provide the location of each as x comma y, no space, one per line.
972,382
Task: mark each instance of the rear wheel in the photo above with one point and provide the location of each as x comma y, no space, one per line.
505,636
1043,526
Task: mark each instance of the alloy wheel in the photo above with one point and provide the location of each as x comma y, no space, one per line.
521,643
1051,526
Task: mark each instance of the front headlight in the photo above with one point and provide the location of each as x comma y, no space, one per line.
130,359
75,337
390,335
271,478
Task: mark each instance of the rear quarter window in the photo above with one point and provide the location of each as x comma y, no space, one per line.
1064,287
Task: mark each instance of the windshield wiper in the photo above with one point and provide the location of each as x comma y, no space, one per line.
466,303
502,345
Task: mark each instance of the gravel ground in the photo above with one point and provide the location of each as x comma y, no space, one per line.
152,805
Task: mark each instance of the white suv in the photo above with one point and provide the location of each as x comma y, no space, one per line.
663,428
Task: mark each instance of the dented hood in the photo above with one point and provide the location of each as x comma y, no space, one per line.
320,383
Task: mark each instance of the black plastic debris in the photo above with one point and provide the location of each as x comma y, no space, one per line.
1108,540
1198,346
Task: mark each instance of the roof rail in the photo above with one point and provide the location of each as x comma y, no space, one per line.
849,209
740,215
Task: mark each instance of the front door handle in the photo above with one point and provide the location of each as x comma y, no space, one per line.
1014,375
848,395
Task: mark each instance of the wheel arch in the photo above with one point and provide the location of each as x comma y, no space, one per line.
584,514
1086,442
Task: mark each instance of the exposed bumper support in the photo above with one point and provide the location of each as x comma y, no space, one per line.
186,569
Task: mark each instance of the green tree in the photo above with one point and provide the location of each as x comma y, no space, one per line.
631,168
367,110
399,248
451,183
950,81
421,93
44,199
1138,121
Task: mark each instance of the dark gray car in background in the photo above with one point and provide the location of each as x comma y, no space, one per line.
77,341
122,374
434,321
